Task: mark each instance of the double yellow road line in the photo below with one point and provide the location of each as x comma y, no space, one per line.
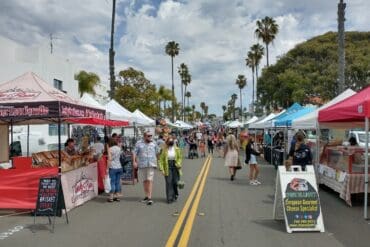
193,201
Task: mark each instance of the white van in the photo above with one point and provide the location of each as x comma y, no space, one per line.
360,137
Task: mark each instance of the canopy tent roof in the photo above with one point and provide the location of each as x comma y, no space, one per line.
89,100
286,121
252,120
261,124
117,112
28,99
235,124
96,121
142,119
350,112
310,120
182,125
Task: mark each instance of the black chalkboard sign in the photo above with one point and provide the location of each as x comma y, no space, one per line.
50,199
128,169
47,197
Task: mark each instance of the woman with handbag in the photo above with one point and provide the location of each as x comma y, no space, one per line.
250,158
231,155
170,162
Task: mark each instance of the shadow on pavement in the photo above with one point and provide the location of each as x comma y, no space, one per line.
277,225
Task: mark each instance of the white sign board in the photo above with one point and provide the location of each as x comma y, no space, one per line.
297,200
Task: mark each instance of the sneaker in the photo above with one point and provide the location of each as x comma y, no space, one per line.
253,182
257,182
145,200
149,202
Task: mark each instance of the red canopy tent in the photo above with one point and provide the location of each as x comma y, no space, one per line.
352,112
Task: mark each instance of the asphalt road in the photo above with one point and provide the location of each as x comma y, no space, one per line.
230,213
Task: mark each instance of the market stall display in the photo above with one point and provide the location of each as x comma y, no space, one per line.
348,113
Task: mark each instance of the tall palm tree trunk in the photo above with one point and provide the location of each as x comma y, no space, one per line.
183,105
111,53
253,89
241,105
256,85
267,54
173,93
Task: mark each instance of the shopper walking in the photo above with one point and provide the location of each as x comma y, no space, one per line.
231,155
170,162
210,144
145,159
114,169
250,158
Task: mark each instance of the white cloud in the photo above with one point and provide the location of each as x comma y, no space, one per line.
214,36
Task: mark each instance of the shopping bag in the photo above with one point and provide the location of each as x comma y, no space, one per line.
180,184
239,165
107,186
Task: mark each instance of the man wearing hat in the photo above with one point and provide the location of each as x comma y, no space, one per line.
145,159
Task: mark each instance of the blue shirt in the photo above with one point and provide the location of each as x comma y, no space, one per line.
146,154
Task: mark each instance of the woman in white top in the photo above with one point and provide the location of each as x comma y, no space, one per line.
231,155
115,170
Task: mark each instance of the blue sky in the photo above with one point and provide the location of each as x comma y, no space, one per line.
214,35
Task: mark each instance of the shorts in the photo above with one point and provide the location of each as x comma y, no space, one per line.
253,160
147,173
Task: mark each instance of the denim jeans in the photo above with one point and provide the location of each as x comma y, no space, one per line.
115,180
171,181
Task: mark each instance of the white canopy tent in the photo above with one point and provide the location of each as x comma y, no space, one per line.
309,121
115,111
142,119
182,125
235,124
261,124
89,100
252,120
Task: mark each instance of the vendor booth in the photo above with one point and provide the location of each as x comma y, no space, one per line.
348,165
30,100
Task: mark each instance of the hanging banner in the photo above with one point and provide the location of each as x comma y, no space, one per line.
297,200
80,185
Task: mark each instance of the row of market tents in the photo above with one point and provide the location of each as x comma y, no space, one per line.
295,117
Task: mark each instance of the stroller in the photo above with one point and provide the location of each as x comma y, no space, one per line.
193,151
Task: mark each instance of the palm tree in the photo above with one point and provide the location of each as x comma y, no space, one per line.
87,82
206,111
183,72
202,106
193,108
224,108
186,82
267,30
234,97
111,54
188,95
172,49
241,82
253,60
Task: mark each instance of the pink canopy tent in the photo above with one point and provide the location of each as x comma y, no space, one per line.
351,112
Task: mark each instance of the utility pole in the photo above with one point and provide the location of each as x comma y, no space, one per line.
341,51
111,54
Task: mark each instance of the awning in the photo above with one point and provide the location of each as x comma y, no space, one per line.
97,121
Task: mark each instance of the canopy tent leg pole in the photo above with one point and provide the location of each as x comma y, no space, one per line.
28,140
366,165
11,140
317,160
69,131
59,147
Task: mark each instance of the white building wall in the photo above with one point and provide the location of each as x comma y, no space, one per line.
17,59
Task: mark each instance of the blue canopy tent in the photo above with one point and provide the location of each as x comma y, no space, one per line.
293,108
286,121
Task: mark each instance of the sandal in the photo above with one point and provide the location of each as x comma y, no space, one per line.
109,200
116,199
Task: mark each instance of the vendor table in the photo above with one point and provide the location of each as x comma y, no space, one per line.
80,185
343,183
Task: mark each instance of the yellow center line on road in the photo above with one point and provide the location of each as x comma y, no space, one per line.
190,221
175,231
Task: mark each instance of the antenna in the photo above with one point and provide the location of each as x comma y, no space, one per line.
51,42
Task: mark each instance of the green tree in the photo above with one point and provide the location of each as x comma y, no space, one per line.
172,49
183,72
267,30
137,92
310,71
241,81
188,95
224,109
253,60
202,106
86,82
